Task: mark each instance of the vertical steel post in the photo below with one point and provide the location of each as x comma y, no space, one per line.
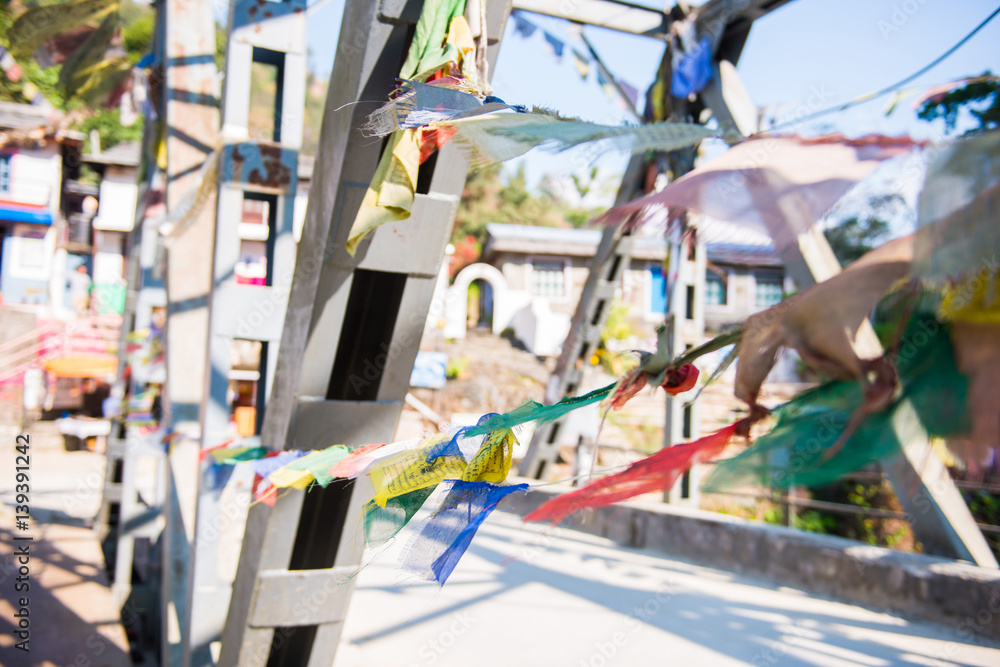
352,329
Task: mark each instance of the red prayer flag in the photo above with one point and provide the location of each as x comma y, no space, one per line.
349,466
655,473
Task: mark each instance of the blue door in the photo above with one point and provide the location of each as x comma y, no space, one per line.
658,291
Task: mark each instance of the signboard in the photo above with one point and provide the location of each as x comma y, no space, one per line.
429,370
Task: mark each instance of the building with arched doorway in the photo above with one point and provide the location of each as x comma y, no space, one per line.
530,281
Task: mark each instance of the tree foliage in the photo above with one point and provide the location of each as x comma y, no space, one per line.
46,80
137,24
109,129
489,197
857,234
980,98
137,34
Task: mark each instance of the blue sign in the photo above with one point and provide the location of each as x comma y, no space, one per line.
429,370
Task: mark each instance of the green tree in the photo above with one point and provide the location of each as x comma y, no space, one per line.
857,234
488,197
46,80
980,99
137,33
137,22
109,128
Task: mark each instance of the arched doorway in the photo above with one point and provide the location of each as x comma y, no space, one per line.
480,305
477,298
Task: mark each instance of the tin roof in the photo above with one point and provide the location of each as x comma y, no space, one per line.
726,243
14,116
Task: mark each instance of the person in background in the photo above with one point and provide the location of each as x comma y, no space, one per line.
79,290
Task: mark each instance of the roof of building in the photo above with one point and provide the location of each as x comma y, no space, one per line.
14,116
726,243
125,154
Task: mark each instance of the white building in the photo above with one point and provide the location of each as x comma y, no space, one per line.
30,186
531,279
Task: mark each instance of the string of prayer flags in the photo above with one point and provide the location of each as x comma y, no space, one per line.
321,465
263,490
656,473
497,137
435,459
631,93
206,452
369,460
140,410
430,49
234,455
821,321
401,491
381,524
957,234
432,139
567,133
956,249
294,475
799,449
675,381
314,466
557,45
755,182
604,80
349,466
435,550
523,26
582,63
660,369
390,196
493,460
418,104
692,70
274,461
442,38
534,411
481,137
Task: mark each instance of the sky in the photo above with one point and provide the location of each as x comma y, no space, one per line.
812,53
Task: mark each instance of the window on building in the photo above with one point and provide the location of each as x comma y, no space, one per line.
770,290
5,172
548,279
256,211
715,289
657,291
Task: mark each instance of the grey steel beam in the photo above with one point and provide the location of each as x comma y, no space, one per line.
191,128
728,21
342,311
611,14
255,167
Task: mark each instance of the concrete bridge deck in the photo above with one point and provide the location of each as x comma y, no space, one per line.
522,596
